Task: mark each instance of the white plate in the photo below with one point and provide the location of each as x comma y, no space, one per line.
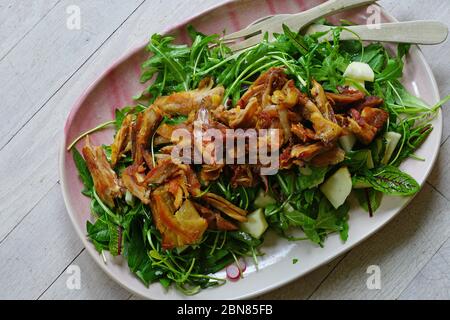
275,267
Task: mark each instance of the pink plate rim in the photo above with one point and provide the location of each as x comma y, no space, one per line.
81,233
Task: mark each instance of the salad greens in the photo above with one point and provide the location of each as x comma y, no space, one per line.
298,203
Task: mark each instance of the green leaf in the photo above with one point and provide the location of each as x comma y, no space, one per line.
244,237
116,240
374,55
392,71
175,120
402,50
165,282
374,198
149,274
356,160
98,233
136,252
333,220
296,39
314,177
83,172
308,225
286,180
390,180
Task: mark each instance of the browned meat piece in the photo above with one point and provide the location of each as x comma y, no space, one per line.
304,134
287,97
145,126
242,176
192,182
133,181
122,140
264,86
177,186
285,158
375,117
225,206
362,130
166,130
245,118
162,172
322,102
182,103
347,98
326,130
215,220
307,152
284,125
178,228
106,183
159,140
210,172
224,224
330,157
265,119
371,101
365,125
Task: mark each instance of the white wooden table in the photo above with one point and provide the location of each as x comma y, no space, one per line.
44,67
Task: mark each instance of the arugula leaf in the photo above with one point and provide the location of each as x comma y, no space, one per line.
148,274
333,220
308,225
175,120
356,160
286,180
244,237
374,55
403,49
296,39
83,172
392,71
315,176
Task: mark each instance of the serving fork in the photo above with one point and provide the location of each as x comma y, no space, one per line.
254,33
417,32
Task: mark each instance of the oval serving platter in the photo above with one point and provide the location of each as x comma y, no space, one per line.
115,89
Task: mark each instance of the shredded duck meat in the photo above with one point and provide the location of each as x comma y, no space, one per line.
183,103
309,127
106,183
178,227
144,128
133,181
122,140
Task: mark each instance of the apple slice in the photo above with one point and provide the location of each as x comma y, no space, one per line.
337,187
256,224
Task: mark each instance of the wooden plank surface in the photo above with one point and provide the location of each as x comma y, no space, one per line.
44,68
29,13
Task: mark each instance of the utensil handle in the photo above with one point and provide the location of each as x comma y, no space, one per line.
326,9
417,32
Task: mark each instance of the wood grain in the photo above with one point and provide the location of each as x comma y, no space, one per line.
38,250
44,68
29,13
49,54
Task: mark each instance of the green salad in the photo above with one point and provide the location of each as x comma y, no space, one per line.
346,124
